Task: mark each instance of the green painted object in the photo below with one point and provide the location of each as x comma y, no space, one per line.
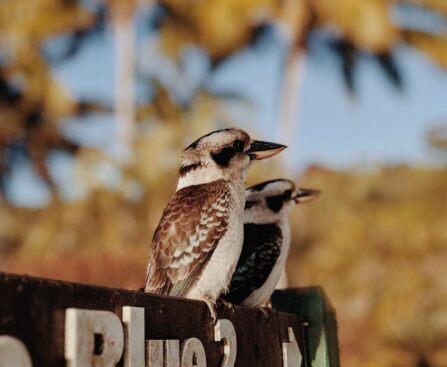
315,309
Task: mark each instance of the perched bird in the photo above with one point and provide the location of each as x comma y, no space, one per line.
198,241
266,240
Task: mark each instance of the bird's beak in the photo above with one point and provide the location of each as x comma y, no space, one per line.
262,149
305,195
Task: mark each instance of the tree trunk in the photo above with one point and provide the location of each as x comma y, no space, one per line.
292,29
124,34
289,104
288,117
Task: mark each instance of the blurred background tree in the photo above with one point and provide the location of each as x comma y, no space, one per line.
380,248
437,140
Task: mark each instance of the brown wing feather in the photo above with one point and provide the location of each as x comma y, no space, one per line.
194,220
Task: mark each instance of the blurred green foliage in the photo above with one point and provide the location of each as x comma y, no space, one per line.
376,241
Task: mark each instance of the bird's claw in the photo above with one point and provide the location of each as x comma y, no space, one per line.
268,305
211,307
265,311
227,304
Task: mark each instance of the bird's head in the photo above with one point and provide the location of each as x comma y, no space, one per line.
223,154
269,201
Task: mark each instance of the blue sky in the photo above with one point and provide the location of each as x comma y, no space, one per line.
381,125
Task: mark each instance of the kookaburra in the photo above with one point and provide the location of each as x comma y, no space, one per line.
266,240
197,243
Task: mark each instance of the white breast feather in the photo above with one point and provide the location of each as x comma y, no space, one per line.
217,272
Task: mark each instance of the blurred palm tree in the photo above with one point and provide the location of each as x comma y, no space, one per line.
437,138
123,13
350,28
33,102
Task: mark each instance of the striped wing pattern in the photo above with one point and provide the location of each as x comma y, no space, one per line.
191,226
261,249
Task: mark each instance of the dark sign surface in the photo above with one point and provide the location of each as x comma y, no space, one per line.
34,311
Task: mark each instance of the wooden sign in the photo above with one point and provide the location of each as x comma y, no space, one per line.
53,323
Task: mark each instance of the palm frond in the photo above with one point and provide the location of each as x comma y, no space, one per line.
348,56
433,46
388,64
437,6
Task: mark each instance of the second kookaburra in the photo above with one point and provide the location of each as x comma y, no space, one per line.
199,238
266,240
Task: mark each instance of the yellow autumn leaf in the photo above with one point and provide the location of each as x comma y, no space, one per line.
433,46
38,20
367,23
220,26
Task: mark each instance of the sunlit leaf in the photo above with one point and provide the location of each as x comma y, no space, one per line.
433,46
367,23
221,27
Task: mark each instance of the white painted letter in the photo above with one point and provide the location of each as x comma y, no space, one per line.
156,357
291,355
13,353
154,350
172,348
92,338
133,319
224,330
193,353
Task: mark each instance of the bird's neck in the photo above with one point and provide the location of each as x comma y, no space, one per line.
203,176
260,215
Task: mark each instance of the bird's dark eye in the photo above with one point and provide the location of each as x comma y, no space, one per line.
275,203
249,204
287,194
238,145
